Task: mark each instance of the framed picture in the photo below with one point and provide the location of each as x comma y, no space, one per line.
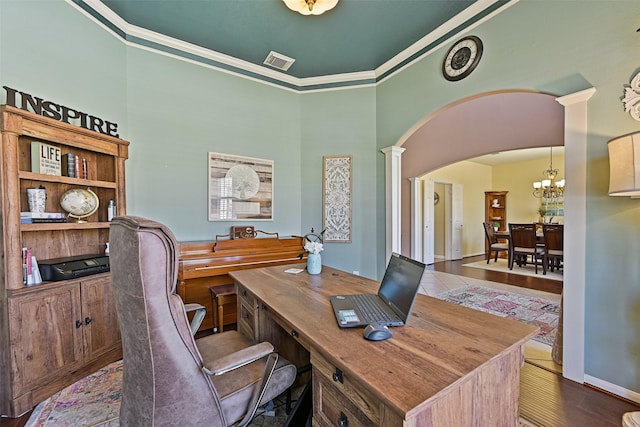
336,198
240,188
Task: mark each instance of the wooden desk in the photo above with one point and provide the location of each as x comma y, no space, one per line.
449,366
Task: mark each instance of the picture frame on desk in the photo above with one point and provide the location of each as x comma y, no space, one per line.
240,188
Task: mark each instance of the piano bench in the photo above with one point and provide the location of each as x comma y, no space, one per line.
223,297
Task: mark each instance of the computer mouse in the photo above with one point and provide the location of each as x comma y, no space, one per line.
376,332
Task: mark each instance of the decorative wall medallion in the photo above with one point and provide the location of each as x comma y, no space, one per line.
631,98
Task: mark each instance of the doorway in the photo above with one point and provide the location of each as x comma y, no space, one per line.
426,154
439,216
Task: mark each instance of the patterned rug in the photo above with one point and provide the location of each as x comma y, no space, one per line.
94,401
532,310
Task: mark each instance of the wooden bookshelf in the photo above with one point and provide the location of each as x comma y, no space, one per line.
54,333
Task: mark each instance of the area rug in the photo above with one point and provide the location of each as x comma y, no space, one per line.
532,310
502,265
94,401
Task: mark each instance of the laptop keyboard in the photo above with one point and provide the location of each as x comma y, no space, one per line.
371,311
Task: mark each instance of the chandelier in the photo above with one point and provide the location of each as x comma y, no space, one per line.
310,7
549,188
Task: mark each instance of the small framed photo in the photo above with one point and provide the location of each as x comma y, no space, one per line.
336,198
240,188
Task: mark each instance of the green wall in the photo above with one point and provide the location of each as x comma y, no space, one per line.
339,123
174,112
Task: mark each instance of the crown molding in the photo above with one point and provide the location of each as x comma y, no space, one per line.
153,41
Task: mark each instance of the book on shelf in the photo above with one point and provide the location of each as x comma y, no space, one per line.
69,165
46,158
42,215
42,220
30,271
85,173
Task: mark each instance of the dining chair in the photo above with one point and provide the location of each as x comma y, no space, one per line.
524,246
553,245
493,245
170,378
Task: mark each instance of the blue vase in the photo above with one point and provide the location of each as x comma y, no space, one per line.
314,264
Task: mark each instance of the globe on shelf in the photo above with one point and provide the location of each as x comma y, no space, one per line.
80,203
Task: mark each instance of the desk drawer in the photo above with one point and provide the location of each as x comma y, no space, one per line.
342,401
247,314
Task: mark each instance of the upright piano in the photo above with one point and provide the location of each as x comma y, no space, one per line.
205,264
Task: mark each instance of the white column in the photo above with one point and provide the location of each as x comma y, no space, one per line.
416,218
575,225
393,174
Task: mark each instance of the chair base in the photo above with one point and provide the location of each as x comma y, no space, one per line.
302,412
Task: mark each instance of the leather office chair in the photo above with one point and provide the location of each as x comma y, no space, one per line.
524,245
553,245
492,242
170,378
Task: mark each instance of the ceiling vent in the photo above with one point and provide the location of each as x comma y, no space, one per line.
279,61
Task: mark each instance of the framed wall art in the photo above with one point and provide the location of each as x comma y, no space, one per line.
240,188
336,198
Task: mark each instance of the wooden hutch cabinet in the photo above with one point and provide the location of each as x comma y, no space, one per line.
495,211
57,332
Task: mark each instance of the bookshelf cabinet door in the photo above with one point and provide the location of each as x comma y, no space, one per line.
101,328
45,341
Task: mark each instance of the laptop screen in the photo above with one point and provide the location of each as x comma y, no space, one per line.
400,284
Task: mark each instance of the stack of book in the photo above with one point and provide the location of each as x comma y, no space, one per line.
30,271
42,217
74,166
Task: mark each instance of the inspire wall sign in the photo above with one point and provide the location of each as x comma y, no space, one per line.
59,112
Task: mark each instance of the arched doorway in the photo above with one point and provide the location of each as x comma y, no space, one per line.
441,147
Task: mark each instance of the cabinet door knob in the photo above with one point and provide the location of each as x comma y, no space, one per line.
78,323
343,421
294,333
338,376
244,293
87,320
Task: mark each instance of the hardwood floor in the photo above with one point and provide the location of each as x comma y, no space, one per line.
546,398
457,267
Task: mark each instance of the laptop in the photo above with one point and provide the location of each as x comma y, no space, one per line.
394,299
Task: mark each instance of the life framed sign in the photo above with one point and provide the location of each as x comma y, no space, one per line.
336,198
240,188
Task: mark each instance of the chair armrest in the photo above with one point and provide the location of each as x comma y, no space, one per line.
200,312
239,358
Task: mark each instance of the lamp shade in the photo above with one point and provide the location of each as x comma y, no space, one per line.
311,7
624,165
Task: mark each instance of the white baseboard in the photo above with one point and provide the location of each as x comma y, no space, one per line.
612,388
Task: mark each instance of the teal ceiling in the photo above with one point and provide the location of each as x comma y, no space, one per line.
357,36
